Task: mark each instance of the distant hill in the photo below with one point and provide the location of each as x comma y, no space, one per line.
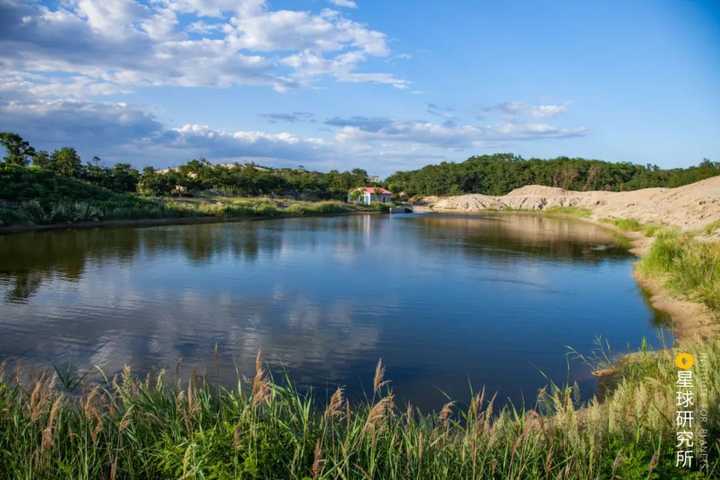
498,174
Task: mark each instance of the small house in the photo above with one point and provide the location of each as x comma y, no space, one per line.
369,195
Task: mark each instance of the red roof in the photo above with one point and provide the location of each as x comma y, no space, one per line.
377,190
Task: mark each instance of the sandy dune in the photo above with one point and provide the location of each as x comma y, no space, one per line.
689,207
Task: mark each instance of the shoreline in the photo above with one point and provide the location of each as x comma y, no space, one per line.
691,321
163,221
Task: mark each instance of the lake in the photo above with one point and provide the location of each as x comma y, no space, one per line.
447,301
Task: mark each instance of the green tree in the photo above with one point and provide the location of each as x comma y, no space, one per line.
66,162
18,151
41,159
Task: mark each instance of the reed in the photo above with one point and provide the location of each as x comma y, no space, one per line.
132,427
687,265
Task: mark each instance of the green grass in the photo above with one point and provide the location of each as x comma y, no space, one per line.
569,211
627,224
131,207
30,196
633,225
128,427
689,266
712,228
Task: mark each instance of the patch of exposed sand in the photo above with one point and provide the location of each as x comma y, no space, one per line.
690,207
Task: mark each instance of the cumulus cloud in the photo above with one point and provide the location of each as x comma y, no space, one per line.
246,144
90,125
448,134
121,132
123,44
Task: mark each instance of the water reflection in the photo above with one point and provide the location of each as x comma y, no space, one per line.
445,300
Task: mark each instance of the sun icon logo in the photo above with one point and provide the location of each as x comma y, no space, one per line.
684,360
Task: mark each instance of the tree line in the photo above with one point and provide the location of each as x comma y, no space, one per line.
495,174
500,173
192,177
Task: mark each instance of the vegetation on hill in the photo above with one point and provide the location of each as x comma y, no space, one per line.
500,173
187,179
38,188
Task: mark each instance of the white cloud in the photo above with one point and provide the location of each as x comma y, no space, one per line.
344,3
118,131
446,134
128,43
247,144
521,108
121,132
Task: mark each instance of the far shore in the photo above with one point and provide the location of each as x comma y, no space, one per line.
155,222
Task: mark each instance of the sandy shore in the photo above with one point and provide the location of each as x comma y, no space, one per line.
690,207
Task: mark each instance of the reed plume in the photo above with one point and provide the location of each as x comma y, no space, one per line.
446,413
261,386
379,378
47,435
379,413
335,407
317,461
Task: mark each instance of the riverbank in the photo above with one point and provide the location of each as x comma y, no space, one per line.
208,209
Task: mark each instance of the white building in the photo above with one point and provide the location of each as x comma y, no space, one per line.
368,195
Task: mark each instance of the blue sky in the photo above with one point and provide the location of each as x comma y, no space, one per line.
378,85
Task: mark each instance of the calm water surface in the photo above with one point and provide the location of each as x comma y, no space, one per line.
446,301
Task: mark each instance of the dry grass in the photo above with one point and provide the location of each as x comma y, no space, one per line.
129,427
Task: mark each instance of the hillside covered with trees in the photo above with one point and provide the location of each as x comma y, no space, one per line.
192,177
500,173
38,187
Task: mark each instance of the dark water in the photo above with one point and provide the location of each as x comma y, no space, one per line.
446,301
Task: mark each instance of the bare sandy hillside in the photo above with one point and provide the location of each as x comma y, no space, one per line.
689,207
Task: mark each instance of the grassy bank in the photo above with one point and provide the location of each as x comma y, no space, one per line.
68,212
128,427
689,267
33,197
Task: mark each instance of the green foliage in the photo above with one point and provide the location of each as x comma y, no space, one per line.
500,173
18,151
690,267
250,180
569,211
712,228
31,196
130,427
627,224
66,162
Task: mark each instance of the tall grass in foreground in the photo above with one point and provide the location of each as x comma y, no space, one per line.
127,427
689,266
